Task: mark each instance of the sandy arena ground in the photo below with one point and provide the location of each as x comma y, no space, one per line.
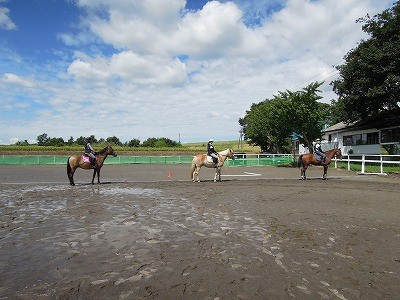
147,232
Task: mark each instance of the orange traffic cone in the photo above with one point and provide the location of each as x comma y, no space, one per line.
170,174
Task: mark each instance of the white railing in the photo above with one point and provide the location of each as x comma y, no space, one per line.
370,159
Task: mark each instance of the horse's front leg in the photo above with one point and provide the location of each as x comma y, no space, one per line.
303,173
217,174
324,177
98,175
94,175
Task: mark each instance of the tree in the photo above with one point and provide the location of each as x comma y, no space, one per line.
269,124
159,142
369,83
133,143
56,142
24,143
306,115
256,126
80,140
114,140
150,142
93,139
43,139
70,141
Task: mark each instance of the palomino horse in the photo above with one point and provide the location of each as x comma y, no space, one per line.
76,161
202,160
306,159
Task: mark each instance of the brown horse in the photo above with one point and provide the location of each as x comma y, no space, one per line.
202,160
76,161
306,159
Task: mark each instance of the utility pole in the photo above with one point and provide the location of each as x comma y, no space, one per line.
240,144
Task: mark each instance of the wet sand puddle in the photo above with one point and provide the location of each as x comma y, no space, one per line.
102,241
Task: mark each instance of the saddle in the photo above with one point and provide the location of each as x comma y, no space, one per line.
210,159
85,158
318,158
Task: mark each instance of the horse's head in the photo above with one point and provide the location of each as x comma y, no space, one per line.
338,153
231,154
110,151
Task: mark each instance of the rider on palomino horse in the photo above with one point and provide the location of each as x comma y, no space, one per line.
319,154
211,152
89,151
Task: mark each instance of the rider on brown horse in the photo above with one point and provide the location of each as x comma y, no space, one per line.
320,155
89,151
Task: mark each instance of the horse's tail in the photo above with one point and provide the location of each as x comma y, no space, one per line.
68,167
300,161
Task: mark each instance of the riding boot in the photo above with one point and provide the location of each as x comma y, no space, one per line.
215,163
93,162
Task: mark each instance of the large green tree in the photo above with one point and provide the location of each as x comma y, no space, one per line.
369,82
269,123
262,127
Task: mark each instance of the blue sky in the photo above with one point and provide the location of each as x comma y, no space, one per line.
162,68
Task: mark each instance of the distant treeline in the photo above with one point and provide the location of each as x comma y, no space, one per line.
45,140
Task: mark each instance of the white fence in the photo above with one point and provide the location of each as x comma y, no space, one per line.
369,159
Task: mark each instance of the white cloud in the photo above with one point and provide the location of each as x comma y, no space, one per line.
143,90
5,20
11,78
13,140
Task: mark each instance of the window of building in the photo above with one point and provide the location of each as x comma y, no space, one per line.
390,135
347,140
361,139
372,138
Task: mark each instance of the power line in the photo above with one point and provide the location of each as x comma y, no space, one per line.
331,74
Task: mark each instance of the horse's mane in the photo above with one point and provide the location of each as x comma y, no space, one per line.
102,151
333,151
224,152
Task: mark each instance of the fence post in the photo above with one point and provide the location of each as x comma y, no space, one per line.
381,164
348,162
363,164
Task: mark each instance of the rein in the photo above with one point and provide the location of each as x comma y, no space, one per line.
102,151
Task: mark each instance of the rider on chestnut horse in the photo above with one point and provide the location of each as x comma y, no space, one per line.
320,155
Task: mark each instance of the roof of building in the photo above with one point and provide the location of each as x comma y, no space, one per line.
383,121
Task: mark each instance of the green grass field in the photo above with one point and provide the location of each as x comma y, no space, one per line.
371,168
187,147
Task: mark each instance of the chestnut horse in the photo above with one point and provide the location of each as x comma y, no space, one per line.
202,160
76,161
306,159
